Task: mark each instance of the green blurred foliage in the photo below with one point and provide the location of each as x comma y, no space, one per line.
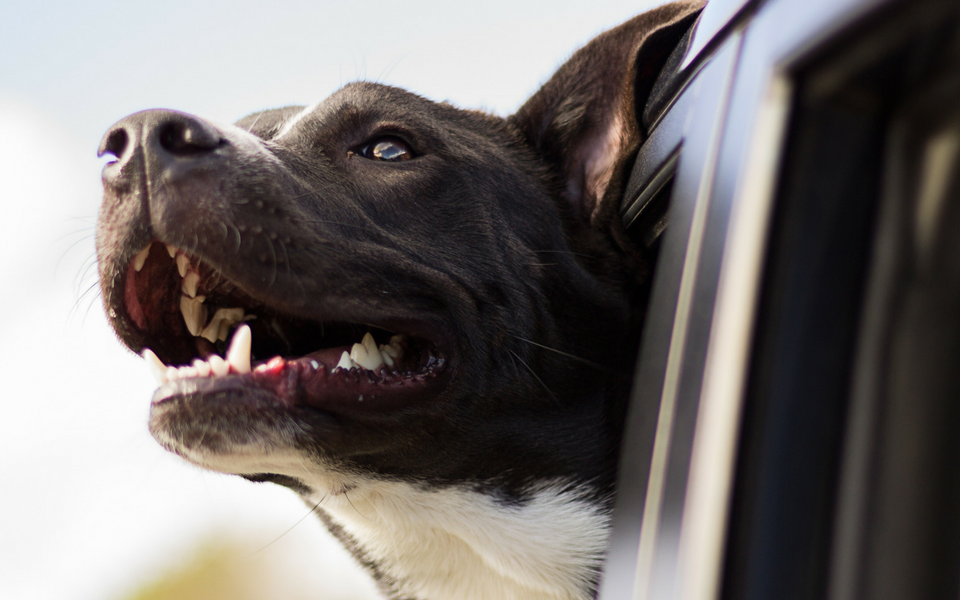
219,570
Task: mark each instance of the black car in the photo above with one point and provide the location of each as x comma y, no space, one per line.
795,421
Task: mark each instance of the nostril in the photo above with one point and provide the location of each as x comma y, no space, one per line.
186,138
115,143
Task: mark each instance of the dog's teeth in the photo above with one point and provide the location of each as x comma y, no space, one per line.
183,263
171,250
345,362
156,366
230,316
386,356
396,340
394,351
202,367
187,372
172,374
211,331
366,354
218,366
140,258
239,353
190,282
194,314
369,343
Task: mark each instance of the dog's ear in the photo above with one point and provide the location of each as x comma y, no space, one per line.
585,118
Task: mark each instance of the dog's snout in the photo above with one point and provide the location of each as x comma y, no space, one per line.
183,135
114,142
152,141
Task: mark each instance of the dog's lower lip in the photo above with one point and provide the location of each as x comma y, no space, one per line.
307,383
315,380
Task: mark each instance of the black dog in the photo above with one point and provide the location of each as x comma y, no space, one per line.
443,307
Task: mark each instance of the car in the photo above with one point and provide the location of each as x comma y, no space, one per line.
794,430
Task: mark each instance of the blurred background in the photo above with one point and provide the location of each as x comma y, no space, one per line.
90,507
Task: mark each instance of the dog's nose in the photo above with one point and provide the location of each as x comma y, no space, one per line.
160,138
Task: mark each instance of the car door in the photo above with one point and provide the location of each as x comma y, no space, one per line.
793,431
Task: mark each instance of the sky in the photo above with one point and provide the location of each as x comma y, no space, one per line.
90,505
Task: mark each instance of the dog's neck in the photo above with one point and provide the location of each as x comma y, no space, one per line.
457,543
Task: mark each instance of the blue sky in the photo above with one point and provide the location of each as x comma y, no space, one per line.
90,504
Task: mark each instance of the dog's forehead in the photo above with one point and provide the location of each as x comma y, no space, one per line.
365,103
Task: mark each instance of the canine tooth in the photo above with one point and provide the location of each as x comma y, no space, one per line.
369,343
230,316
218,366
156,366
194,314
140,258
366,354
183,263
190,282
345,362
171,250
202,367
386,356
238,355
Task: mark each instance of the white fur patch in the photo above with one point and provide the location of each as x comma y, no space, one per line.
459,544
450,543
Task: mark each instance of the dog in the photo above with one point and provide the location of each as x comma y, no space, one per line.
422,319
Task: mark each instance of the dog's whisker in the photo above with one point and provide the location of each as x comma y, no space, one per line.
589,363
226,232
346,494
389,68
238,237
363,227
93,301
89,263
80,298
254,124
273,262
564,252
86,231
532,372
69,248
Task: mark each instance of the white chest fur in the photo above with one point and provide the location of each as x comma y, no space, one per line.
459,544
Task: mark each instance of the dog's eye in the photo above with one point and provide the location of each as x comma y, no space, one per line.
387,148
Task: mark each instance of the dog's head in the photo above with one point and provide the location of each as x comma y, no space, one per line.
466,272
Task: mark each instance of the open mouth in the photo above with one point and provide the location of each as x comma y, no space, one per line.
202,334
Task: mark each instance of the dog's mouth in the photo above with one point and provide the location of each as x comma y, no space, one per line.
205,336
